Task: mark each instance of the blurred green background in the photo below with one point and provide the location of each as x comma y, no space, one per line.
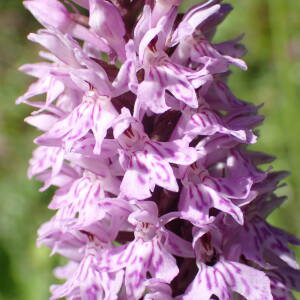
272,30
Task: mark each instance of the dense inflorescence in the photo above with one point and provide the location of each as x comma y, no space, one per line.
157,196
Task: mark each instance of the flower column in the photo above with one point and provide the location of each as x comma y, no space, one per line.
157,195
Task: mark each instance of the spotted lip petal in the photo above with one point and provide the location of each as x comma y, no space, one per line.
45,158
261,242
227,277
83,202
87,282
162,75
91,114
151,91
146,253
197,200
205,122
147,163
